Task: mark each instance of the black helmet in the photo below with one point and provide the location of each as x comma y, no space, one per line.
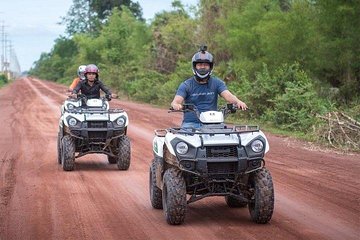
202,56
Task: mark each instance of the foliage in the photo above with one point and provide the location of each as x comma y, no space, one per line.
290,100
287,59
53,66
145,85
173,38
81,19
171,82
339,51
3,80
104,8
87,16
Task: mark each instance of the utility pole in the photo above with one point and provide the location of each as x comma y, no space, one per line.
2,46
9,58
6,62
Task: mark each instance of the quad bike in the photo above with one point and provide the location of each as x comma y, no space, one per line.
214,160
88,126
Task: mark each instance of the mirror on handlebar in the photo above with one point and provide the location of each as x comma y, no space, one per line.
231,107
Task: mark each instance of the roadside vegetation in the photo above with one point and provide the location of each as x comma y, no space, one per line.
296,63
3,80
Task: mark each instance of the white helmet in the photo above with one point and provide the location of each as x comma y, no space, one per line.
81,71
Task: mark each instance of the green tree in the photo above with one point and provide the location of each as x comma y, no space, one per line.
173,38
103,8
81,19
54,65
339,52
87,16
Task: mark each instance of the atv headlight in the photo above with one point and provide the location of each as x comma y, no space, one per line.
257,146
121,121
104,106
72,122
182,148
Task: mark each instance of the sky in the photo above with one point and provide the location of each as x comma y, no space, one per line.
32,25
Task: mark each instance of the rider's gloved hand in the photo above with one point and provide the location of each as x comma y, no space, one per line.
108,97
73,95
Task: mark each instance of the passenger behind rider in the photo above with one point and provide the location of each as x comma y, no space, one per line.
91,86
202,90
80,77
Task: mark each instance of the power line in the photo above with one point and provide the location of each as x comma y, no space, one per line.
10,66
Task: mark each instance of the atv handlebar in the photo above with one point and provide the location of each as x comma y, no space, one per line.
185,108
192,108
226,109
83,97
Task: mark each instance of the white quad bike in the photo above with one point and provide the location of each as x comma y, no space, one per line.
214,160
89,126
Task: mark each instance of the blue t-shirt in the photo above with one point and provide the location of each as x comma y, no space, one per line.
203,96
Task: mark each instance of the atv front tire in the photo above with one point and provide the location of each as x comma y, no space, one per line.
174,196
155,192
261,206
123,161
68,153
59,148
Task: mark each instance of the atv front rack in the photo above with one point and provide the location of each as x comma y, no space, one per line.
236,129
94,110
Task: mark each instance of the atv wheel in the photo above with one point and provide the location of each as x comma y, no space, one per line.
112,160
234,202
59,148
123,161
68,153
174,196
155,192
261,205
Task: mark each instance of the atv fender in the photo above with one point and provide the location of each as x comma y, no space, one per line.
159,170
158,145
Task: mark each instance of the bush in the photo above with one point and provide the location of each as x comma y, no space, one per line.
295,107
3,80
171,83
145,86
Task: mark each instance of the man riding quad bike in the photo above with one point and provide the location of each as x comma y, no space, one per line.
213,160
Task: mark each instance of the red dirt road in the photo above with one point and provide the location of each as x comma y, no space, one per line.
317,194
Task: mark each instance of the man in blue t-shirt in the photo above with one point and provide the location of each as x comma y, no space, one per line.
202,90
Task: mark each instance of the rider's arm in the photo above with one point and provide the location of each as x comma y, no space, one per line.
177,102
180,96
74,84
105,88
231,98
77,88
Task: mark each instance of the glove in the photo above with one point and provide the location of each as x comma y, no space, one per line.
73,95
108,97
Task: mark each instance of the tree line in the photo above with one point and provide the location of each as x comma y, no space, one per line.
289,60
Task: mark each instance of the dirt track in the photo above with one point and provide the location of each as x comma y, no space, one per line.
317,194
